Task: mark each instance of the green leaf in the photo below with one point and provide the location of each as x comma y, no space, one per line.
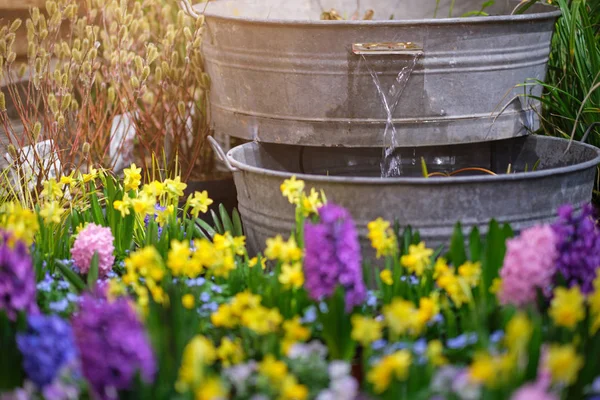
92,275
475,244
218,225
207,228
237,223
523,6
457,246
227,224
71,276
407,239
493,255
97,210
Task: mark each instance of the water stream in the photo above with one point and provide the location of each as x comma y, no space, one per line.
391,164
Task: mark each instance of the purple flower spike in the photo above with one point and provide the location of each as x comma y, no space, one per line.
17,278
332,257
112,345
578,246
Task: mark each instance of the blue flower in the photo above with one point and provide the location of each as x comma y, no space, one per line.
310,315
46,346
397,346
59,306
195,282
323,307
72,297
371,299
461,341
205,297
212,307
496,336
379,344
45,285
63,285
217,289
420,346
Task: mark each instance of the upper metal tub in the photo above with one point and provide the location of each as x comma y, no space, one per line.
281,75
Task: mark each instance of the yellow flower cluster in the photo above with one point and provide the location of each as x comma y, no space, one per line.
457,286
218,257
198,354
417,259
567,308
281,380
294,332
292,275
245,310
404,318
21,222
144,263
366,330
394,365
230,352
309,204
492,370
382,238
199,203
594,302
564,363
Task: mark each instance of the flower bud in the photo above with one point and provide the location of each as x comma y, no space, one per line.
2,101
85,149
15,25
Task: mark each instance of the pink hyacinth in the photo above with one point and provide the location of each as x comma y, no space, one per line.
529,265
94,238
533,391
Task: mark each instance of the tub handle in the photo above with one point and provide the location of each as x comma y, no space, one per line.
386,48
187,7
220,153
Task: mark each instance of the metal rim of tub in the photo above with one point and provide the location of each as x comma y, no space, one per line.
554,13
421,181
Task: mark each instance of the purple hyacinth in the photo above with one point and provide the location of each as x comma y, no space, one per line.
46,346
112,343
578,246
332,257
17,278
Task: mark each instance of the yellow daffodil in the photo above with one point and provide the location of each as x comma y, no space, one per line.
21,222
223,317
470,272
188,301
366,330
178,260
51,190
382,237
564,363
230,352
278,249
294,332
292,189
395,365
68,180
386,277
262,320
211,388
272,369
154,188
291,275
417,259
292,390
401,316
567,308
253,262
518,333
435,353
91,175
199,202
123,206
162,216
52,212
133,178
594,302
174,187
143,204
311,203
197,355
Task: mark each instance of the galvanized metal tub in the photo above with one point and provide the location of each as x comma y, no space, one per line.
433,205
281,75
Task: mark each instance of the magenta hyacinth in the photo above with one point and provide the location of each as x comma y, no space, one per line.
112,344
529,265
94,238
17,278
332,257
